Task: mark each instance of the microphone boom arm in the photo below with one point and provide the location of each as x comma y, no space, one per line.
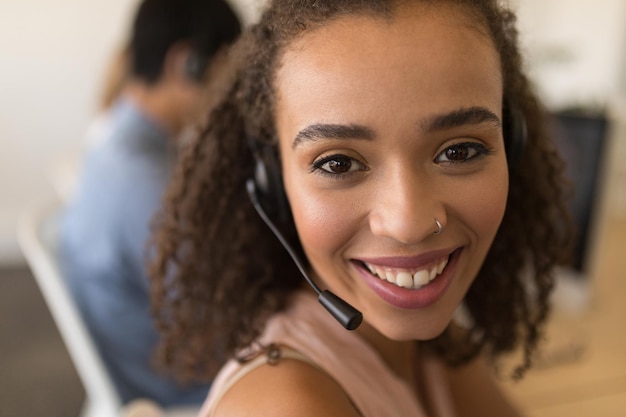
344,313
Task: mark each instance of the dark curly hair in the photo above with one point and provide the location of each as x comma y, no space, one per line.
218,272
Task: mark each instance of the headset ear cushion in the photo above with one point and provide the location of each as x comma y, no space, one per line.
195,66
269,182
515,133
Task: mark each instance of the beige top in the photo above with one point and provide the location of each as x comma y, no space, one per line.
315,337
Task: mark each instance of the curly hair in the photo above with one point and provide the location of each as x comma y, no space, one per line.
218,272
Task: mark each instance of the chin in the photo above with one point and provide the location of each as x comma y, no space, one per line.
413,330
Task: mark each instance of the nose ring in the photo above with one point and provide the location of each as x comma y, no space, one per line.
439,227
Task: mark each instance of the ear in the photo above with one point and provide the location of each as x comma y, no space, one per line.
182,63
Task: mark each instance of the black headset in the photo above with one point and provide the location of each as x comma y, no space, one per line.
515,133
267,194
268,182
196,65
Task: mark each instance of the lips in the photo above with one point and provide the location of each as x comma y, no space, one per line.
410,283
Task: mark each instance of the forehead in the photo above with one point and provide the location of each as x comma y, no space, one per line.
430,51
414,22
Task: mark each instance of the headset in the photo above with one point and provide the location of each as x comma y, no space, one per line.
515,133
267,195
196,65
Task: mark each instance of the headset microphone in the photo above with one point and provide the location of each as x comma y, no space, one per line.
348,316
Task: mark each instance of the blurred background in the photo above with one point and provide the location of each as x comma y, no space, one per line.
53,60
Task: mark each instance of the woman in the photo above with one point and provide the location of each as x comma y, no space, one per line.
397,148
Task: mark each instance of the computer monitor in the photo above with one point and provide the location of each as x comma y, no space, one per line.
581,138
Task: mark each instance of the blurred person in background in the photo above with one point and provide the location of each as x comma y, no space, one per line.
115,79
173,45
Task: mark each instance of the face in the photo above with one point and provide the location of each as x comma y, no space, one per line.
385,126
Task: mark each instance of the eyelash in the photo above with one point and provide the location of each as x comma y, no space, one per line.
478,148
318,166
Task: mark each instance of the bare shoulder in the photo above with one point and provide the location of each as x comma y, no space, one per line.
288,388
476,391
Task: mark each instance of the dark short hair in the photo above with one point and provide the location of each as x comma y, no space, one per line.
206,25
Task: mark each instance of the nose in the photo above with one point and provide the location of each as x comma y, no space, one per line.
406,209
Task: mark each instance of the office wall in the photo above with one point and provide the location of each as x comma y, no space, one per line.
576,49
53,54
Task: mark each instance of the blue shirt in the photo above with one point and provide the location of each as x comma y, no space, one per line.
104,232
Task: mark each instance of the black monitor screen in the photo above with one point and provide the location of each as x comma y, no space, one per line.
580,140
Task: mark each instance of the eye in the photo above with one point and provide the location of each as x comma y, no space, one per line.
337,165
462,152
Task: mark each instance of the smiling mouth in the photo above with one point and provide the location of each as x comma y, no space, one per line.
408,278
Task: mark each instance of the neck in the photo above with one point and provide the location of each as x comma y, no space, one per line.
400,356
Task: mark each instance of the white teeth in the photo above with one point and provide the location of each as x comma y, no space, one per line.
421,278
433,274
407,279
404,279
380,272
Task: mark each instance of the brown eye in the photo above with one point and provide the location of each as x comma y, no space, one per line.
457,153
338,165
462,152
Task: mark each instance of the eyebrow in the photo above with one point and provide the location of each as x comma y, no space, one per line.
461,117
332,131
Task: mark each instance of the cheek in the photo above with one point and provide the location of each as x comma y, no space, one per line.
482,206
323,225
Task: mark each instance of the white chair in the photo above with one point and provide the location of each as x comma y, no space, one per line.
37,234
